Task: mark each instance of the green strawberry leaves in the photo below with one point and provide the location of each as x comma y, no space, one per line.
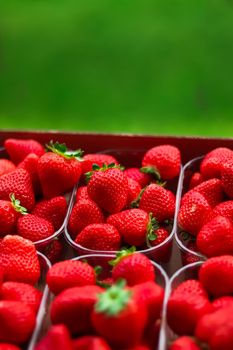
96,167
16,204
121,254
61,149
152,227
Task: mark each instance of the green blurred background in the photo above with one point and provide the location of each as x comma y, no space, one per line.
143,66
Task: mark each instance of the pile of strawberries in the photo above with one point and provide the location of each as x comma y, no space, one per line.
119,310
206,210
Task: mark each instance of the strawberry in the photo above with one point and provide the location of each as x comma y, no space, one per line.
158,236
53,210
69,273
30,163
219,303
10,211
195,180
193,213
139,347
227,178
189,258
90,342
19,183
82,193
184,343
135,268
99,159
108,187
164,160
59,170
23,292
158,201
34,228
73,308
134,190
99,237
19,260
186,305
225,209
119,317
23,318
53,250
57,338
216,275
18,149
5,346
135,174
6,166
212,163
85,212
134,225
216,237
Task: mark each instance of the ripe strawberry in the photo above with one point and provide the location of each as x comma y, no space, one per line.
53,250
57,338
53,210
34,228
108,187
195,180
6,166
134,190
23,292
212,163
216,237
90,342
186,305
158,236
82,193
19,183
99,159
219,303
73,308
6,346
69,273
189,258
19,260
30,163
99,237
164,160
23,318
10,211
184,343
139,347
135,174
225,209
85,212
59,170
18,149
194,212
135,268
216,275
227,178
158,201
117,309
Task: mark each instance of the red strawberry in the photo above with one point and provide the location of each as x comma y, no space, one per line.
59,170
34,228
17,322
19,260
159,236
53,250
135,268
99,159
30,163
164,160
6,166
211,165
158,201
216,275
117,309
99,237
189,258
139,347
5,346
184,343
193,213
227,178
85,212
142,178
73,308
135,225
57,338
70,273
82,193
108,187
10,211
133,191
195,180
19,183
216,237
186,305
23,292
53,210
1,275
90,342
18,149
225,209
219,303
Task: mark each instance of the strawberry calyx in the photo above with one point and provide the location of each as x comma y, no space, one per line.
113,300
152,227
151,170
135,202
16,205
122,254
104,167
61,150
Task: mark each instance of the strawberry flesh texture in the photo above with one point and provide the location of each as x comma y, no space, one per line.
227,178
225,209
136,175
6,166
89,342
57,338
195,180
34,228
225,301
161,234
82,193
18,149
30,164
98,159
212,163
8,218
184,343
134,190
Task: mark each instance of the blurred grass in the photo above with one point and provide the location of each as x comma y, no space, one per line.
134,66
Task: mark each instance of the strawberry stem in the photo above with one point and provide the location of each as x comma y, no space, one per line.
16,205
151,170
122,254
96,167
152,226
61,149
135,203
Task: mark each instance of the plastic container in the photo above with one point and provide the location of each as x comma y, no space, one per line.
160,253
